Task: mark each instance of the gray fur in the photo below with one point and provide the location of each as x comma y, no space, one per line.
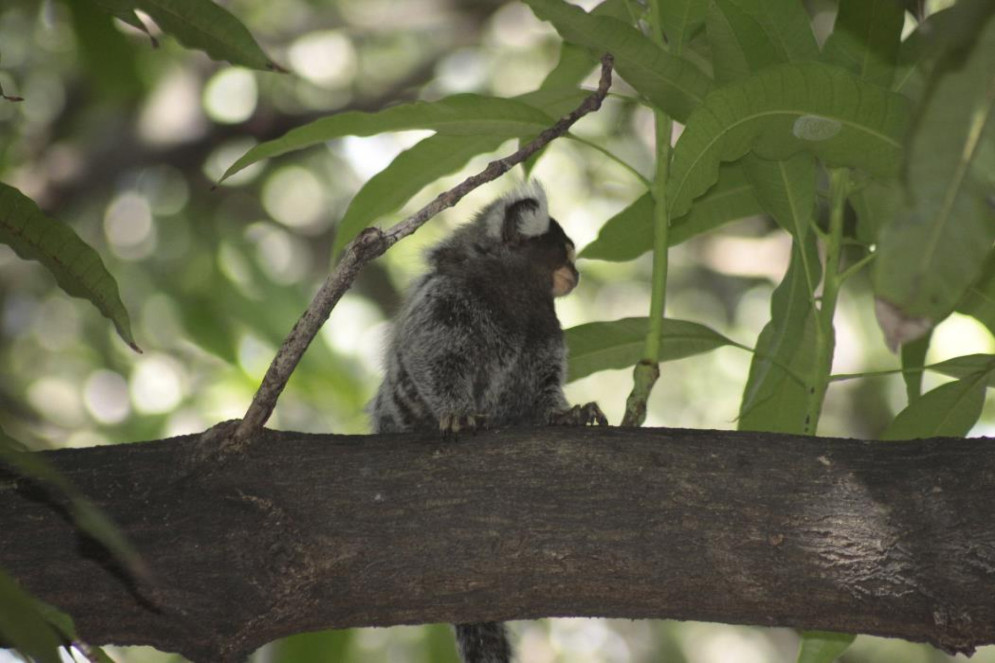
477,341
478,335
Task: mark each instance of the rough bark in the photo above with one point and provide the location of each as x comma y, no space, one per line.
302,532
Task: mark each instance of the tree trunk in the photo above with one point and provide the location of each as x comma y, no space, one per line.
303,532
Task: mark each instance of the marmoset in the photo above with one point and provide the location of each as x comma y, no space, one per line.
477,343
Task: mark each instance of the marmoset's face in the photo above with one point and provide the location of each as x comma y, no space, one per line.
566,277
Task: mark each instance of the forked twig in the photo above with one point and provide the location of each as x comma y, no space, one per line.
372,243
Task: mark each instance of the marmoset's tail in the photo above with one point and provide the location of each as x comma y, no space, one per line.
484,642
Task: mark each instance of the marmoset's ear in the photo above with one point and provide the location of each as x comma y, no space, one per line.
520,214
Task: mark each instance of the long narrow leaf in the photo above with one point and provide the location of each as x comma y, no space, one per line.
671,83
950,410
209,27
599,346
739,45
913,357
979,300
199,24
965,365
124,10
875,205
762,33
23,626
773,399
823,647
936,246
629,234
758,34
784,110
77,268
576,61
432,158
406,175
785,189
866,39
681,19
462,114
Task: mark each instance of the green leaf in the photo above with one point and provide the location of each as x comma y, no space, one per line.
913,359
875,205
950,410
671,83
124,10
23,626
952,33
784,110
439,644
575,61
966,365
316,647
775,399
979,300
908,77
625,236
574,64
629,234
749,35
934,249
208,325
823,646
111,66
406,175
730,198
681,19
758,34
866,39
66,628
785,24
197,24
77,268
460,115
785,189
429,160
599,346
87,517
948,33
739,45
209,27
735,43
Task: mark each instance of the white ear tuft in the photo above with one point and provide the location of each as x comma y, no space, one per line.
532,221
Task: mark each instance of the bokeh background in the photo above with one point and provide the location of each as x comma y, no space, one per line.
124,142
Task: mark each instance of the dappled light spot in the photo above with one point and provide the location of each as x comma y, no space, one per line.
105,395
815,128
157,384
231,95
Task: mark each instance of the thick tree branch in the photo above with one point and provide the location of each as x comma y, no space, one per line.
302,532
372,243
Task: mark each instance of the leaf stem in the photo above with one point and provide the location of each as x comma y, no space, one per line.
647,371
661,236
625,164
857,266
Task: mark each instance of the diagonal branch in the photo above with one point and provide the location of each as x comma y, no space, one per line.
371,244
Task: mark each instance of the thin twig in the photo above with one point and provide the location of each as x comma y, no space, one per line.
372,243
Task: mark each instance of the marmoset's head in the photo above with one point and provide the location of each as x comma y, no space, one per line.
517,224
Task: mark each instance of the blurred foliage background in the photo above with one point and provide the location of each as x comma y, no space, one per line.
124,142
